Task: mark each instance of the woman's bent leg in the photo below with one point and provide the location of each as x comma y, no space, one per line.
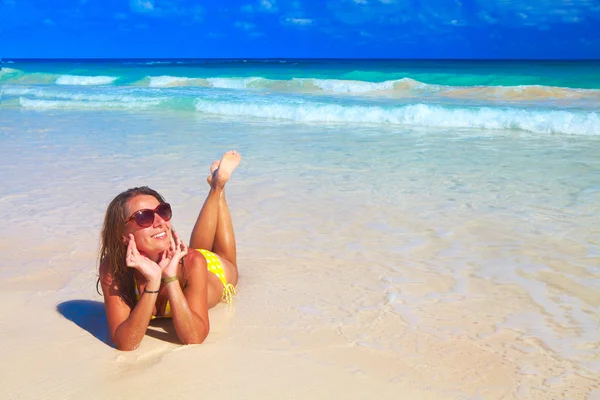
203,234
224,244
214,229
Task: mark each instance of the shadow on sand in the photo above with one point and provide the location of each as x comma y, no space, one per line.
89,315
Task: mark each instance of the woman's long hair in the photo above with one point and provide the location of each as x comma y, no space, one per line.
113,250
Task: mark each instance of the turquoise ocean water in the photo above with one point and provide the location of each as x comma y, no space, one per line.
471,187
541,97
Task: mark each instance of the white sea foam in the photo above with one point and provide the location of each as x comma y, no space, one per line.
85,80
6,71
223,83
398,88
345,86
324,85
167,81
551,121
425,110
118,97
391,88
306,109
86,105
233,83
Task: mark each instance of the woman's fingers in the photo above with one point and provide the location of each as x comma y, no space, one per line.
179,244
167,260
134,245
130,256
175,240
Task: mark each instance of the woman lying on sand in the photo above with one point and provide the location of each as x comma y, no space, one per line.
146,271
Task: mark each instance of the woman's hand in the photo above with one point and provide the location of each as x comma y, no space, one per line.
170,259
148,268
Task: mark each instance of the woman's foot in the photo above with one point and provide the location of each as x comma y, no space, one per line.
221,170
213,168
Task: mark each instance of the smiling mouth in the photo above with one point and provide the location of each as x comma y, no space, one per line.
160,235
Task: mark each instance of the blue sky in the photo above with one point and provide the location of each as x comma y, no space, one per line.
300,28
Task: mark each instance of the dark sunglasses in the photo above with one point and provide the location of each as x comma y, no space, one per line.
144,218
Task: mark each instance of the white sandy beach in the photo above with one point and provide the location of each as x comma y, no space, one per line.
350,287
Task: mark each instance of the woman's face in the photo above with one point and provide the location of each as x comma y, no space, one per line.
151,240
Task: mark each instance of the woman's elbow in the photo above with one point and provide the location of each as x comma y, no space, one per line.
199,338
123,346
126,348
193,341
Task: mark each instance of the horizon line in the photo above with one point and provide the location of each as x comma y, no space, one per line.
3,59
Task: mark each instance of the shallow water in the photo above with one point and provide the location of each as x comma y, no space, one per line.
449,233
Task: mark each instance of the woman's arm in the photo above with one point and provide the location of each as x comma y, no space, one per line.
127,326
189,307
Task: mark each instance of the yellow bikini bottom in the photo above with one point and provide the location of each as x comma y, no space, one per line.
213,265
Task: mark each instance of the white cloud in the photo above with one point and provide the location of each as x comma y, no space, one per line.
376,12
268,5
49,22
299,21
141,6
487,17
185,11
538,13
436,14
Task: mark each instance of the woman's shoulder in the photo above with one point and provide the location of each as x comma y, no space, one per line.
106,278
103,268
193,262
194,258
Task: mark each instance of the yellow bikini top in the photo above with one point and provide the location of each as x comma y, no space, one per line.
213,264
